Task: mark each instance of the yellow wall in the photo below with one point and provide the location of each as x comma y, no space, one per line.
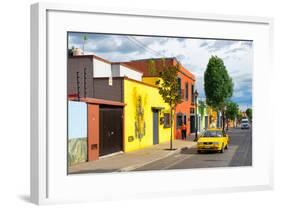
150,80
150,98
212,113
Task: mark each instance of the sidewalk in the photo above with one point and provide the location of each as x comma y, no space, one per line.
131,160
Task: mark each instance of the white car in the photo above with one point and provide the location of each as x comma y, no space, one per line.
245,123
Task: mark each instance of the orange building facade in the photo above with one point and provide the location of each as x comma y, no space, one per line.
184,112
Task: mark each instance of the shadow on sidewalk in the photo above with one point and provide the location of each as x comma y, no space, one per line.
168,149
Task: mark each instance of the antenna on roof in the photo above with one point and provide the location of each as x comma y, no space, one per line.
85,38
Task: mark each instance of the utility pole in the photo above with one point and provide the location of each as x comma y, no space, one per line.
196,122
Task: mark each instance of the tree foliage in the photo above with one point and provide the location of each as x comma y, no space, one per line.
239,116
169,90
70,51
169,86
249,113
218,84
232,110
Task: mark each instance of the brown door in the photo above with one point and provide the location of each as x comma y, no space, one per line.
110,130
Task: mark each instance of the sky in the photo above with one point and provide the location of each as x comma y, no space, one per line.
77,120
193,53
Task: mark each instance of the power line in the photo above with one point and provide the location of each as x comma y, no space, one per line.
143,46
139,45
156,52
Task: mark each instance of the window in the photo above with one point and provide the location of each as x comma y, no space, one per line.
184,119
179,85
167,120
192,93
179,120
213,133
186,91
191,110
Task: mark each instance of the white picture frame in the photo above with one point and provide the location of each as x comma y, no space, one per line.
49,180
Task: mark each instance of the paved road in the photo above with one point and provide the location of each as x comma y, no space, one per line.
239,153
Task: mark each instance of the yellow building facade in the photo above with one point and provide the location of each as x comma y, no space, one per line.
151,80
213,116
145,116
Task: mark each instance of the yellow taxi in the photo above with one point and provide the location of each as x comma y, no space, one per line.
213,140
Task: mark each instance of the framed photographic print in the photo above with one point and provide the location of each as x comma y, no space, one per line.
132,103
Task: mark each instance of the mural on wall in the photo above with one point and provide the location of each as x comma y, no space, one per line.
140,121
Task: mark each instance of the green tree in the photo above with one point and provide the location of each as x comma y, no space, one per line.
168,89
218,85
249,113
231,112
70,51
239,116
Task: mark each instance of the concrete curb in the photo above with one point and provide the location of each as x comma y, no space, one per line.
133,167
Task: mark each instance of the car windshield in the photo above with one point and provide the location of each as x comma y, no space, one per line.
244,121
212,134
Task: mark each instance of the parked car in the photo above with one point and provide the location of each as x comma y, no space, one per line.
245,124
213,140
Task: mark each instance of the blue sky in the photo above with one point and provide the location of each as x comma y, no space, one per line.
193,53
77,119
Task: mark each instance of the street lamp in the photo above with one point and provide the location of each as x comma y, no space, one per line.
195,96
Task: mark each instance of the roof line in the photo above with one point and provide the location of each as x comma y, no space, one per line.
91,56
173,58
124,63
152,59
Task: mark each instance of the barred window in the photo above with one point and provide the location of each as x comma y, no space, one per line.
179,85
186,91
179,120
167,120
192,94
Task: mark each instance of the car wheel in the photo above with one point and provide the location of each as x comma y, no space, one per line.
198,151
222,148
226,146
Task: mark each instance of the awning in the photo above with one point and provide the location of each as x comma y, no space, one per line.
100,101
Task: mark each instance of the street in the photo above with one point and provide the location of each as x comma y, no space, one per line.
239,153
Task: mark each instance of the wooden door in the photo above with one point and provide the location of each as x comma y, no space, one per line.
110,130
